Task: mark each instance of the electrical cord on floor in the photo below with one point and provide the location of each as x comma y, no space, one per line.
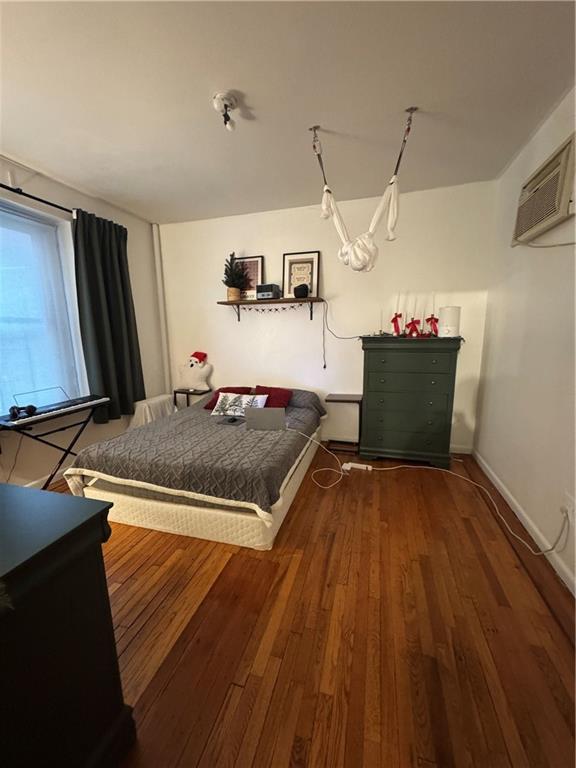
343,469
533,551
340,472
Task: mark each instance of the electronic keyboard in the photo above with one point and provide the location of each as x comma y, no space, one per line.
45,412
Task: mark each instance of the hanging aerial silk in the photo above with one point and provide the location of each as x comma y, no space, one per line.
361,252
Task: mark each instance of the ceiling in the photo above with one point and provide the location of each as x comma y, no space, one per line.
115,98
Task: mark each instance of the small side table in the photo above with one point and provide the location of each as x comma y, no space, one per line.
188,393
343,445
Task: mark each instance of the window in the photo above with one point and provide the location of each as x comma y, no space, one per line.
41,360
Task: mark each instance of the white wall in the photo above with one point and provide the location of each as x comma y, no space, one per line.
443,247
525,433
35,461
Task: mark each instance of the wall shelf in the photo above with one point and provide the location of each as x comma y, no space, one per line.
249,303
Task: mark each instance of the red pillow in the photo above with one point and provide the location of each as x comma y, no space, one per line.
277,397
210,405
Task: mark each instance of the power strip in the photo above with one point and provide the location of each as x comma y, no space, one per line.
352,465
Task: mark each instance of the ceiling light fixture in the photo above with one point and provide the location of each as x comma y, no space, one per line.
223,102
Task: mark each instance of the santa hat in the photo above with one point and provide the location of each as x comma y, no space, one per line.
200,356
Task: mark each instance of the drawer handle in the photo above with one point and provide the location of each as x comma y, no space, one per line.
434,362
430,422
432,382
383,361
430,402
382,381
381,401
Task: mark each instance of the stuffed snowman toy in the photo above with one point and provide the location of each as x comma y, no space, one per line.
196,373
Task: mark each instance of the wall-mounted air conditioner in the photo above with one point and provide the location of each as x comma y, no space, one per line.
546,197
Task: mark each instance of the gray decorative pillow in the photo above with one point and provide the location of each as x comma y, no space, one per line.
231,404
302,398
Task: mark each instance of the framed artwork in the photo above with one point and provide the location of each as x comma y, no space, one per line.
301,268
255,269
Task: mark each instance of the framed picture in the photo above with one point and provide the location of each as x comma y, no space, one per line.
255,268
301,268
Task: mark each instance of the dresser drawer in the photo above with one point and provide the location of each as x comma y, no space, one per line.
409,382
410,362
433,402
406,442
375,421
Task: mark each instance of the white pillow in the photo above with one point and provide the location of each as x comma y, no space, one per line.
231,404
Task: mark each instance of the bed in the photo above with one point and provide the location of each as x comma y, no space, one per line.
196,475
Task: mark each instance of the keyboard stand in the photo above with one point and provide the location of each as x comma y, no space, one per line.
24,430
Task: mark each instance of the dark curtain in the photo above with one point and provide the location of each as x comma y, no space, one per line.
107,319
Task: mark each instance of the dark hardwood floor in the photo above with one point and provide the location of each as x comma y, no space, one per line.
393,625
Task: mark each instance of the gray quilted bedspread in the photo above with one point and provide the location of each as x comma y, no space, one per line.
193,451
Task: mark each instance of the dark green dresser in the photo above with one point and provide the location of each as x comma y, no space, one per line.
408,398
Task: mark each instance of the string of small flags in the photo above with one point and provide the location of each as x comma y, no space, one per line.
272,309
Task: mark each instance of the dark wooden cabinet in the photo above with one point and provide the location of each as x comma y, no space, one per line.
62,702
408,398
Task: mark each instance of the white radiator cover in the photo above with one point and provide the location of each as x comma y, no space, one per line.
151,409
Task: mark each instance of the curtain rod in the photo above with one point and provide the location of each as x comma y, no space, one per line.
19,191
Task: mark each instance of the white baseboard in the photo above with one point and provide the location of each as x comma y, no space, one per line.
553,557
461,449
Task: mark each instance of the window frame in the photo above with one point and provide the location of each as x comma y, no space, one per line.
61,225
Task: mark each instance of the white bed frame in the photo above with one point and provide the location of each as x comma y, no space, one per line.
226,525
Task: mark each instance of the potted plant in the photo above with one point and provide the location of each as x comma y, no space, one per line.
236,278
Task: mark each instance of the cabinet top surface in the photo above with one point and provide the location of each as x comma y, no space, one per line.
406,342
348,398
32,520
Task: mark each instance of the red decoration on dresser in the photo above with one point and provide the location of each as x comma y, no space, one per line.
396,323
412,329
433,323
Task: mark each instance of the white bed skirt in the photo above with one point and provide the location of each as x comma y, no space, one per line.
228,526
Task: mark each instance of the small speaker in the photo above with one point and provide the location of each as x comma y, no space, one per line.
268,291
19,411
301,291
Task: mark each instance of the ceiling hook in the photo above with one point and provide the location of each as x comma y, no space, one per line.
316,145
